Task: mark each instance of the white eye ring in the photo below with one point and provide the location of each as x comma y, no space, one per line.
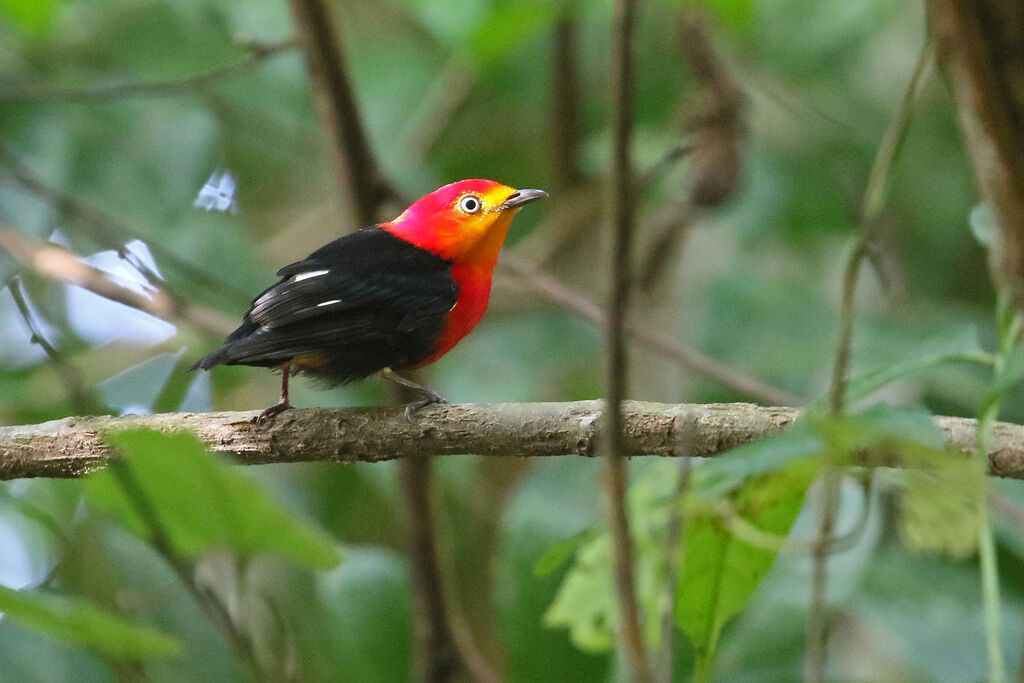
471,204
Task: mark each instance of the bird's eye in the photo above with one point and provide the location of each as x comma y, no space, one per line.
470,204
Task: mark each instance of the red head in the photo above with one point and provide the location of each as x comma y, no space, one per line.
465,222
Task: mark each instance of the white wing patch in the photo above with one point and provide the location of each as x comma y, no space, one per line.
328,303
305,276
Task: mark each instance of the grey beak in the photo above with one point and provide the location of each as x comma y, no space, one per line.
521,197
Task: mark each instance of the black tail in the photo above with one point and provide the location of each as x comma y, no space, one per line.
218,357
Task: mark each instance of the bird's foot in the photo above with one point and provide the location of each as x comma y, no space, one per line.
428,398
279,407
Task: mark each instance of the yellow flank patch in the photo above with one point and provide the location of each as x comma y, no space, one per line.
309,360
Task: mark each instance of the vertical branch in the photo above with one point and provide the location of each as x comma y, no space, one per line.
1009,342
674,554
565,102
622,209
816,649
980,43
438,658
365,187
362,184
816,654
871,207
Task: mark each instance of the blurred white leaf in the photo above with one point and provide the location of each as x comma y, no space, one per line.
218,194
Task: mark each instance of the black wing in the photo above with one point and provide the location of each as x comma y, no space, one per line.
362,303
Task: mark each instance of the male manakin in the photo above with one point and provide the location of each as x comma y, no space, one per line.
393,296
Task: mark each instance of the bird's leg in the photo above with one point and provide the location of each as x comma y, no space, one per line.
428,396
283,403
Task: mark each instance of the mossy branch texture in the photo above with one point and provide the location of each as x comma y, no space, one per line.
74,446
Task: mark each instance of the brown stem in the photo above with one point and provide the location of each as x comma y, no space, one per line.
674,553
438,660
980,46
565,104
364,187
616,373
816,650
361,182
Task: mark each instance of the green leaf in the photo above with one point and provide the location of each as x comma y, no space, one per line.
959,345
508,26
719,475
559,553
81,623
720,571
878,435
202,503
737,15
34,18
940,509
585,603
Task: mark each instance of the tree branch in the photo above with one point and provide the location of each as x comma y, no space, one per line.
360,179
258,53
565,102
433,628
622,210
57,263
980,46
73,446
366,189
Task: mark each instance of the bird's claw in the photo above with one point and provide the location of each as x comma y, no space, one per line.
411,408
270,412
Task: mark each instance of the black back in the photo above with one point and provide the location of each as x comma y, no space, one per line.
382,303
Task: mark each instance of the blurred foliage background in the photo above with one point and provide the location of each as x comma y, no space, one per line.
452,90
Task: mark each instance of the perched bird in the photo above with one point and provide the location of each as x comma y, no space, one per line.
394,296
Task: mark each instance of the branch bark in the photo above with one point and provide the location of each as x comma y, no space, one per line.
74,446
565,102
980,45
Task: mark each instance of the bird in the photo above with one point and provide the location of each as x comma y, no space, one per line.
391,297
